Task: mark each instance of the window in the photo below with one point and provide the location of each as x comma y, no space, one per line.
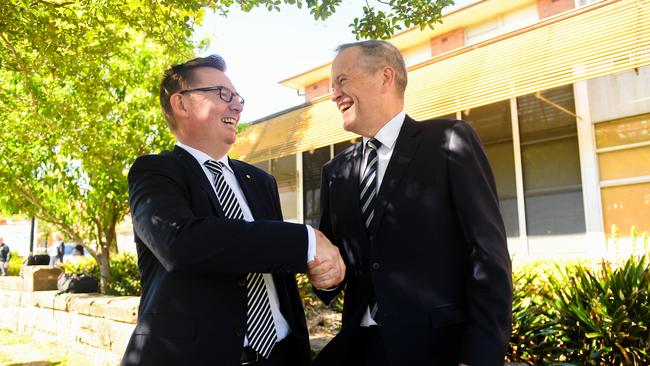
501,24
551,167
312,164
285,173
623,148
341,146
494,127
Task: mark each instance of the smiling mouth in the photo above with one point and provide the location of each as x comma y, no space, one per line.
343,107
229,121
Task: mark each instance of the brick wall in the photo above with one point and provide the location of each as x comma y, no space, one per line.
546,8
448,41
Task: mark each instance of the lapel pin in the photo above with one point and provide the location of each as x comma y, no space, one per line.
248,176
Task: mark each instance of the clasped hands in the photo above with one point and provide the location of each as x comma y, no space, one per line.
327,269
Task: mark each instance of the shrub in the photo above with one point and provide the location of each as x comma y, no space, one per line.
533,329
604,313
81,265
15,263
125,279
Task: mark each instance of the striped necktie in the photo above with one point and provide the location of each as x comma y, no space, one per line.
367,196
369,183
260,328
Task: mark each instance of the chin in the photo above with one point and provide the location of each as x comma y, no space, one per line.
349,125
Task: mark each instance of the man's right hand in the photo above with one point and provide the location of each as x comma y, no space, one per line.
327,269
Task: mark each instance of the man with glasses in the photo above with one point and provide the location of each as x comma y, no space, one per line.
217,263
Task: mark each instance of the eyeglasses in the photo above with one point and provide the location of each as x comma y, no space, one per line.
224,93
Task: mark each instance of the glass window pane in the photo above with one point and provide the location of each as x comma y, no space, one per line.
626,206
285,173
623,131
624,163
491,122
312,163
546,114
264,165
551,166
341,146
494,127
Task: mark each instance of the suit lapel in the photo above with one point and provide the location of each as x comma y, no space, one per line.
198,176
405,147
245,183
351,170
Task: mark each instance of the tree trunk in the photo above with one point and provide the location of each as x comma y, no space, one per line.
104,262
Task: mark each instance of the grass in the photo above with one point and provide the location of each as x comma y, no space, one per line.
19,350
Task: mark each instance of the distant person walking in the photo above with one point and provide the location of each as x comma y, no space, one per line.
60,250
5,255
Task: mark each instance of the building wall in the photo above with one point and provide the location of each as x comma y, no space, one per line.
448,41
317,89
547,8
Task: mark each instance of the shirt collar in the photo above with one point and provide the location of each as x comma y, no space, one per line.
387,135
202,157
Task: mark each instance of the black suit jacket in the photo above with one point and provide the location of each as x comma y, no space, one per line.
438,263
193,262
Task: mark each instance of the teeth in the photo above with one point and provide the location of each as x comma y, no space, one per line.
345,106
229,120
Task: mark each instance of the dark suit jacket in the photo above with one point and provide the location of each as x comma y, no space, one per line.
438,263
193,262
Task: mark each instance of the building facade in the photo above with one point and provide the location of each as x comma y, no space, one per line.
559,93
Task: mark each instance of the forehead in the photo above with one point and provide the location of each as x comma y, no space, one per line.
347,61
209,76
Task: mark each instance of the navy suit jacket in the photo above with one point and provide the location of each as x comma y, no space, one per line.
193,262
437,261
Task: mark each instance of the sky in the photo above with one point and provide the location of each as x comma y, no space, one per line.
262,48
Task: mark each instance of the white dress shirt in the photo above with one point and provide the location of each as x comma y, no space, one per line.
281,325
387,135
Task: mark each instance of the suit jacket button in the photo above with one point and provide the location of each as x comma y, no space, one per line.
239,331
376,266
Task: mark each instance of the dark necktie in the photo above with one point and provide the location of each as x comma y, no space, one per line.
369,183
368,194
260,328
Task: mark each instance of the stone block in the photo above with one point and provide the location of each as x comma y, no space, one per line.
83,303
40,278
99,306
123,309
43,299
11,283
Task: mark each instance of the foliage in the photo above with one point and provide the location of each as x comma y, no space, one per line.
125,277
379,21
78,98
582,314
533,329
605,313
81,265
15,262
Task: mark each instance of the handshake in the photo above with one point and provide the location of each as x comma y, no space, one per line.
327,269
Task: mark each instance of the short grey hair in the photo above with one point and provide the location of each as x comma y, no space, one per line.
377,54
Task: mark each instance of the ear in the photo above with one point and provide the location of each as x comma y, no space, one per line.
387,79
179,108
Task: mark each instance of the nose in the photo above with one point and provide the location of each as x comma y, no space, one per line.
336,94
235,105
